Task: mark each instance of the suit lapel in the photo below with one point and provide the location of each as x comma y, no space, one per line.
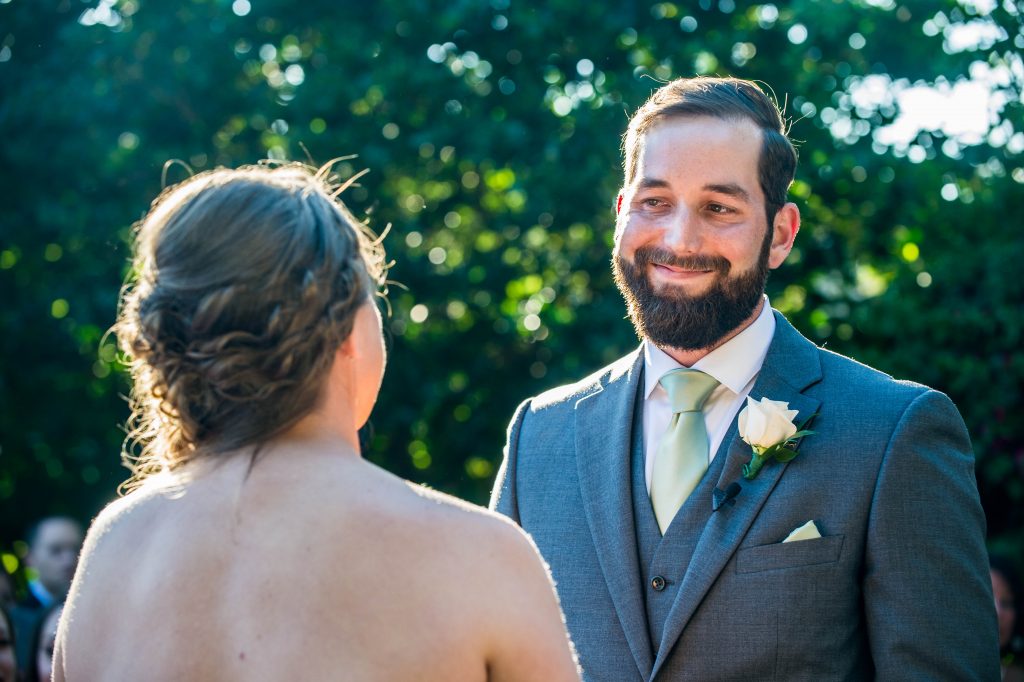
790,366
603,436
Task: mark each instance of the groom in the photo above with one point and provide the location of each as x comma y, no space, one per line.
856,551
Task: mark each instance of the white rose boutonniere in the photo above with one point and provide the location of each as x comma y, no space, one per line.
767,427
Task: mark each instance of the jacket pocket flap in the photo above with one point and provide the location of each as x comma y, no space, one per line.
824,550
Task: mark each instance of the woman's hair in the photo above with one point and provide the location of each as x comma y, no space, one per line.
244,284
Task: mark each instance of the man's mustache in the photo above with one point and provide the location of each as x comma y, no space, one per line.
653,255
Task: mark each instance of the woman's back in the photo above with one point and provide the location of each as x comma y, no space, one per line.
312,565
250,327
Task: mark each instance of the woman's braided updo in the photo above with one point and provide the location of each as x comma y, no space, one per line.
245,282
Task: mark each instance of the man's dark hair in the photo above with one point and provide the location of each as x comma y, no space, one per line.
726,99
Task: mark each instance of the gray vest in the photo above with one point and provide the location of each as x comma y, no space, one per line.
664,560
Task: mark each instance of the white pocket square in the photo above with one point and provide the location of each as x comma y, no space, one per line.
808,531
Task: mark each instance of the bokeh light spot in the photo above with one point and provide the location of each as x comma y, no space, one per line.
59,309
419,313
53,252
479,468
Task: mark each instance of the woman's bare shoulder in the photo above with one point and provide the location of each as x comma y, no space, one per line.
483,536
125,511
493,566
449,509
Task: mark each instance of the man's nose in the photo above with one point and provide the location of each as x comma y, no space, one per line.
682,232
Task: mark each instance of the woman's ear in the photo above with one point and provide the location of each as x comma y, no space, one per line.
347,349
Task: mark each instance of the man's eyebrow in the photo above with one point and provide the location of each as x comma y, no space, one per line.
730,188
651,183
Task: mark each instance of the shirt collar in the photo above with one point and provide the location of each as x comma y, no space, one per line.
733,364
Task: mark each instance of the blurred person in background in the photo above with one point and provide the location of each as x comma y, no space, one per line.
40,667
6,589
1006,591
257,354
53,546
8,660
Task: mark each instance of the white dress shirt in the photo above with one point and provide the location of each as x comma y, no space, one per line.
735,364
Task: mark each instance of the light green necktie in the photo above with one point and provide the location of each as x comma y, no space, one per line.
682,455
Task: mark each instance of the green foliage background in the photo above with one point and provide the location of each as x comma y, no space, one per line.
491,130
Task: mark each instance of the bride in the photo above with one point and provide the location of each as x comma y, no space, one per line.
256,543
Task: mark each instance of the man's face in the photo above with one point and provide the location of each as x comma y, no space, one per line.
54,554
692,245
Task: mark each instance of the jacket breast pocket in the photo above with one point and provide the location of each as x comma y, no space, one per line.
779,555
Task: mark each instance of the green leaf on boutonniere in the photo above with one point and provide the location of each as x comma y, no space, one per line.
802,432
784,454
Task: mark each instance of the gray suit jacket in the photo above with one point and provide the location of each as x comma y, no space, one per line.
896,589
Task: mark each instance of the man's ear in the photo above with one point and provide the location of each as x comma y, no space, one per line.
784,231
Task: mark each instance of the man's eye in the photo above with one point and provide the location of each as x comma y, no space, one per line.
653,203
718,208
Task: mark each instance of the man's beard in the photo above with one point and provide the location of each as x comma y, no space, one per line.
676,319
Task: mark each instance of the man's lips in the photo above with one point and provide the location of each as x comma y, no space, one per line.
678,272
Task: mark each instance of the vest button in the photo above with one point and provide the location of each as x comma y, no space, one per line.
658,583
